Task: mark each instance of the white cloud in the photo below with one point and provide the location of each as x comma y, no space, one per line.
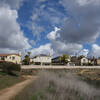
42,15
70,48
84,52
53,34
36,29
11,36
83,23
43,49
85,2
60,47
32,42
7,50
95,50
14,4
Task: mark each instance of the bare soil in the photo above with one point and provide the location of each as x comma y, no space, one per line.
8,93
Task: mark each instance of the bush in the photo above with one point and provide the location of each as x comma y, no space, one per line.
9,67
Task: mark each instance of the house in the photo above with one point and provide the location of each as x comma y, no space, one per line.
41,59
93,61
60,60
84,61
15,58
81,60
75,60
57,60
98,61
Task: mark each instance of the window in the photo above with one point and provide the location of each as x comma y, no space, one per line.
13,58
83,60
2,58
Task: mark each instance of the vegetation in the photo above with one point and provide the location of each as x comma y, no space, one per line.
91,77
9,74
9,67
59,85
64,58
26,60
7,80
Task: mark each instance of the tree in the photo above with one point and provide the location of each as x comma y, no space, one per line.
26,60
81,56
65,58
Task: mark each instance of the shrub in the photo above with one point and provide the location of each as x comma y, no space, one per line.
9,67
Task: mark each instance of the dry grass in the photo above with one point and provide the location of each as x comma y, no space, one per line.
8,80
58,86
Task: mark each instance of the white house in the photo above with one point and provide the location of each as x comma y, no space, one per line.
41,59
84,61
15,58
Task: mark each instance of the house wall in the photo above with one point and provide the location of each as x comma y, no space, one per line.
98,61
42,59
84,61
13,58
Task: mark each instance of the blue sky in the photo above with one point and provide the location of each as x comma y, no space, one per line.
50,26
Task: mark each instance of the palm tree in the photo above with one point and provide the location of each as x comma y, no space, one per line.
27,58
65,58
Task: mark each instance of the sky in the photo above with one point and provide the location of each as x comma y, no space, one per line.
50,27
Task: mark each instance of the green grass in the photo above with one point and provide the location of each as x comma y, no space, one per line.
8,80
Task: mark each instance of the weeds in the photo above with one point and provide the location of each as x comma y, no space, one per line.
58,86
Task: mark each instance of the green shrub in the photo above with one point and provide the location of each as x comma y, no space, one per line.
9,67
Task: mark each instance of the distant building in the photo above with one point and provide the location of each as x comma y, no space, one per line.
41,59
93,61
84,61
98,61
75,60
79,61
15,58
59,60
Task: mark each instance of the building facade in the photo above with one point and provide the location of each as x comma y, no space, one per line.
84,61
98,61
41,59
14,58
59,60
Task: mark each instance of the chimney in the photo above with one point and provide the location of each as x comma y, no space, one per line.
20,53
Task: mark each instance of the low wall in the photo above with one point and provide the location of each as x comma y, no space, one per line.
57,67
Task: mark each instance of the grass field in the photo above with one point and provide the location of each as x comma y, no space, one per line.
62,85
8,80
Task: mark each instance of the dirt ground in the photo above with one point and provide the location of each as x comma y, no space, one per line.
8,93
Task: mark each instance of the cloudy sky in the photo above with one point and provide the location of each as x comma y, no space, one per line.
50,26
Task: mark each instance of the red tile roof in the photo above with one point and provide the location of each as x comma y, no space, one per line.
9,54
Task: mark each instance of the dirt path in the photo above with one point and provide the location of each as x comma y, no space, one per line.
8,93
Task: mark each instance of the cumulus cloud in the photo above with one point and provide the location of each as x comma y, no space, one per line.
83,24
43,49
11,36
95,51
32,42
69,48
14,4
53,34
60,47
84,52
45,15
